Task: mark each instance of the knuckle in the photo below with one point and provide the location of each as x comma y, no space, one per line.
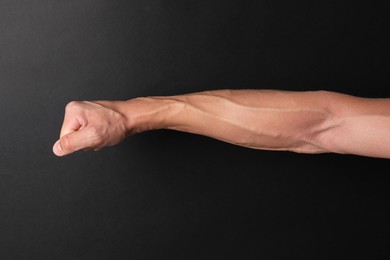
66,144
72,105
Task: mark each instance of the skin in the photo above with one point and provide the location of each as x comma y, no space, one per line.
303,122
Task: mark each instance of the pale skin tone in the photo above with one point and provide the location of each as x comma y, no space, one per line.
303,122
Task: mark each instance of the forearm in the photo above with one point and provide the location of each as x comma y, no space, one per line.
260,119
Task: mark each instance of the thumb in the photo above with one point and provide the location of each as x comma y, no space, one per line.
57,149
70,143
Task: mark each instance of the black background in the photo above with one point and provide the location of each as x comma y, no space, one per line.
171,195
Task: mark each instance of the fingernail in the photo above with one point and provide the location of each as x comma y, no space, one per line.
58,148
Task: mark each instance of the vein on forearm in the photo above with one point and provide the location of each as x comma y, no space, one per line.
254,126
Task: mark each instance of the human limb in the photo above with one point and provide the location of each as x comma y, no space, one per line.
307,122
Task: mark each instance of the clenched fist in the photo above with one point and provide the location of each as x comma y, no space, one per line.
90,126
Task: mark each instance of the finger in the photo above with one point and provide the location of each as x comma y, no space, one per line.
69,126
72,142
71,121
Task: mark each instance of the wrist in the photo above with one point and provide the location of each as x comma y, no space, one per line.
148,113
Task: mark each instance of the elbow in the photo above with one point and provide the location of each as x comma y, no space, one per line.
321,133
324,136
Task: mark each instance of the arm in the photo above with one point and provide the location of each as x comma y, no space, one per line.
306,122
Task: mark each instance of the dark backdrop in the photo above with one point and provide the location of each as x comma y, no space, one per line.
170,195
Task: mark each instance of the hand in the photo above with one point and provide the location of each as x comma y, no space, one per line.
89,126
